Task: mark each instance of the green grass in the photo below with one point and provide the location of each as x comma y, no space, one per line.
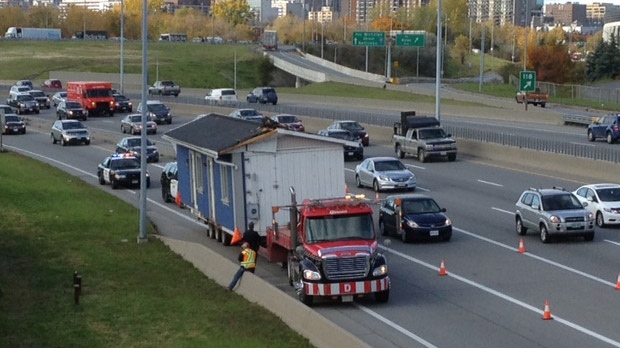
134,295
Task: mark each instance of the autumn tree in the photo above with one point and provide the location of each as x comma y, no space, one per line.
551,62
233,11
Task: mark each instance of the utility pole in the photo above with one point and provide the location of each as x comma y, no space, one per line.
438,62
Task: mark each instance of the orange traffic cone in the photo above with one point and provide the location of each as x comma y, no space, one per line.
521,246
442,269
177,199
237,237
618,283
377,198
547,312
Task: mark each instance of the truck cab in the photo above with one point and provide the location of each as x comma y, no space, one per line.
422,136
94,96
330,249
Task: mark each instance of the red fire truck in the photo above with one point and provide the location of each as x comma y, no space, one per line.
94,96
330,249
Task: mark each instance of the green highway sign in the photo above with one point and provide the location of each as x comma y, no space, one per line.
527,81
411,40
368,38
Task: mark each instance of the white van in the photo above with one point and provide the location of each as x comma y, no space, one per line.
222,94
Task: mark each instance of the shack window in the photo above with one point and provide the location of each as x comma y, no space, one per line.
198,173
225,183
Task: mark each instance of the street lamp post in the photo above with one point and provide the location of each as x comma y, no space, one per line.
84,32
122,46
303,18
443,60
322,35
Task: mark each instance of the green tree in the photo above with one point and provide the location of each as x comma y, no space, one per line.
233,11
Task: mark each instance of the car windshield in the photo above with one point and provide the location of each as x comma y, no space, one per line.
73,105
24,97
37,94
135,118
135,142
228,92
11,118
119,97
560,202
351,126
420,206
62,95
342,135
73,125
167,83
125,163
254,118
248,112
288,119
432,133
157,107
7,109
385,166
609,194
339,227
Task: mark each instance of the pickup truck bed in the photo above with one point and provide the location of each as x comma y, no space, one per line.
534,98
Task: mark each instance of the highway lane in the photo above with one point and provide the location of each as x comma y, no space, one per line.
493,296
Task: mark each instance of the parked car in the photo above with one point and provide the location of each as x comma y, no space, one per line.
70,132
41,98
132,124
169,182
13,124
121,170
263,95
352,126
122,103
350,152
68,109
553,212
157,111
221,95
603,200
383,173
52,83
414,216
133,146
247,114
607,127
292,122
23,103
58,97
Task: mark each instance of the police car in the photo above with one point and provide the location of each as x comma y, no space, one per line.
121,170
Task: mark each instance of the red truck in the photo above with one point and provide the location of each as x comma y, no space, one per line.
330,249
94,96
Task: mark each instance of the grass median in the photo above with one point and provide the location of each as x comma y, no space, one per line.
133,295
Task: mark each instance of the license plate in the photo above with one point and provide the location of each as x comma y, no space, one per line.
443,153
350,153
15,129
347,298
134,181
575,225
434,233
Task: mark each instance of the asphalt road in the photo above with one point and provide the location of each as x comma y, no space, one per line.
493,296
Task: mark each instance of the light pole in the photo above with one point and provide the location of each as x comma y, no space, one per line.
84,32
122,46
322,35
443,60
438,61
303,18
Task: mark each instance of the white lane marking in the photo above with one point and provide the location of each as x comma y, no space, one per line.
490,183
503,211
612,242
504,296
395,326
582,144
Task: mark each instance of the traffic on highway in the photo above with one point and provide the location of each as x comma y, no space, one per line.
500,282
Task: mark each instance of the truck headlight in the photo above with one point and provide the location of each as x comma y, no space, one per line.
379,271
311,275
412,224
590,216
554,219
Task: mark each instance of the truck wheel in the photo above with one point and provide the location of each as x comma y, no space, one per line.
375,186
226,238
610,139
308,300
399,152
519,225
451,157
542,105
422,155
544,234
591,136
382,296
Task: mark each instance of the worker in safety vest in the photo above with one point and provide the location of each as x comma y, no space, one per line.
247,259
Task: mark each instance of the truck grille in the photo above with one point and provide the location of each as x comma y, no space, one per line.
575,219
340,268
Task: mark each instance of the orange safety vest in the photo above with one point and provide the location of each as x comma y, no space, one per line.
249,258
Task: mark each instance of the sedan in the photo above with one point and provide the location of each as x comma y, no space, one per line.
58,97
413,216
291,122
384,173
247,114
352,126
603,202
132,124
70,110
13,124
133,146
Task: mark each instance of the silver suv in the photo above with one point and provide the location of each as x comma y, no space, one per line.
553,212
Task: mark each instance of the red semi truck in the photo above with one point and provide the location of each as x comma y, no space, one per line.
94,96
330,249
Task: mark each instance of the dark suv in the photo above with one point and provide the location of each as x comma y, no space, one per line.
606,127
157,111
263,95
169,182
552,212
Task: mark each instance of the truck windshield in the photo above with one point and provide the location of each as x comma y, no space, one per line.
432,133
339,227
94,93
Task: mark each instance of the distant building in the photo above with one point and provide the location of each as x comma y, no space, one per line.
565,14
598,14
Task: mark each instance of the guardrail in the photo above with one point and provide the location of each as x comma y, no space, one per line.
570,119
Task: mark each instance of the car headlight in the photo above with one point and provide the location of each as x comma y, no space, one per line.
383,178
448,222
412,224
429,147
366,135
70,112
120,176
590,216
311,275
554,219
379,271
